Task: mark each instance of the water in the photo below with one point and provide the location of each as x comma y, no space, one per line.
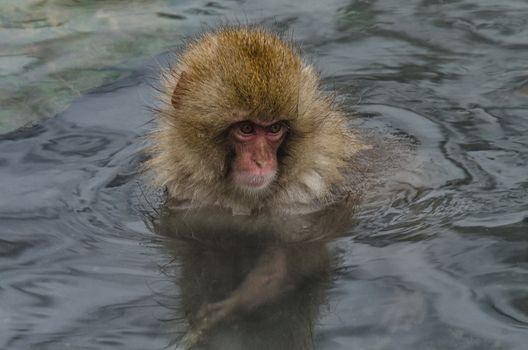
436,260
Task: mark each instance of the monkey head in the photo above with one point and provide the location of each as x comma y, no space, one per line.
245,125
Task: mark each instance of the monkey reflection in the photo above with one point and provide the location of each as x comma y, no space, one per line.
242,285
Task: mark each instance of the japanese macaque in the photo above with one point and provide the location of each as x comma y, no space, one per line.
245,129
245,126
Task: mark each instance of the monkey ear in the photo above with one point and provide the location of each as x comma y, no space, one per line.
179,90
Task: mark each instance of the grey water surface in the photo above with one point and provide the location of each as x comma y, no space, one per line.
436,259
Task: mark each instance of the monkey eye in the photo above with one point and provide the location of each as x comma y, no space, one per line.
246,128
275,128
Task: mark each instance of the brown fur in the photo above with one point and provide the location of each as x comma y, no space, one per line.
247,73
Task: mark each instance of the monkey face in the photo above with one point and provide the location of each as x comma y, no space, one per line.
255,144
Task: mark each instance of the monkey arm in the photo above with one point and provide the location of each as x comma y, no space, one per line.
267,281
277,271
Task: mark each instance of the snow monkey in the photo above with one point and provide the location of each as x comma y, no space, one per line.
245,126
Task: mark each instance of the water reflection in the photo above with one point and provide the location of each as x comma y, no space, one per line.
251,281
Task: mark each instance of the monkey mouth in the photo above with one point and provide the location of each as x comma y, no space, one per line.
252,182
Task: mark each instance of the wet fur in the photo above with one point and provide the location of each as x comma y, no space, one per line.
239,73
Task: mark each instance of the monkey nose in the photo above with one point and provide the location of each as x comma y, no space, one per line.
264,163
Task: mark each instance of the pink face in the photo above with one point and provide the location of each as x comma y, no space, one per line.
256,144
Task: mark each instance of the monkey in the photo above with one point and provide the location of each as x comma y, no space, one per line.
244,125
245,133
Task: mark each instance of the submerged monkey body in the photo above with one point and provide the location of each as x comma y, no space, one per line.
245,126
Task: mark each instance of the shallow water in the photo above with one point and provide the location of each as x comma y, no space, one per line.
437,259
